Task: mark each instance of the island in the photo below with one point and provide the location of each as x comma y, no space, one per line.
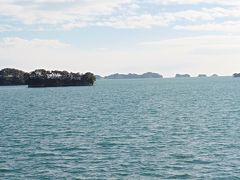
182,76
214,75
202,75
134,76
44,78
236,75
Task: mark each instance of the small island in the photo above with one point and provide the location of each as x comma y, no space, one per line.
44,78
236,75
134,76
182,76
202,75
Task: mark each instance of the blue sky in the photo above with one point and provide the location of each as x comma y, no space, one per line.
108,36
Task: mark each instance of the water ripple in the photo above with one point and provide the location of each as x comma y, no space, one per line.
130,129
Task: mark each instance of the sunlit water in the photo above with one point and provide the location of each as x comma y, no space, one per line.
122,129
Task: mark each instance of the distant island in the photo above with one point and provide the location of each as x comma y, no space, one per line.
134,76
182,76
202,75
44,78
236,75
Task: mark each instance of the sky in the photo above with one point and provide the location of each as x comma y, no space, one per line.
121,36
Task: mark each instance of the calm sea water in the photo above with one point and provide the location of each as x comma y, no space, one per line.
122,129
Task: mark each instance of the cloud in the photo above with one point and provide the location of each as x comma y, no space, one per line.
219,2
58,12
206,54
34,43
132,22
52,54
226,27
127,14
202,54
6,28
194,45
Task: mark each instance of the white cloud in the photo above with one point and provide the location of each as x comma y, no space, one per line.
203,54
194,45
6,27
53,54
139,21
226,27
167,18
69,14
34,43
221,2
207,54
59,11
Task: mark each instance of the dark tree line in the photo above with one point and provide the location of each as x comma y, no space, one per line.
44,78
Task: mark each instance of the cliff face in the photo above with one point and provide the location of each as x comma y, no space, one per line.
10,76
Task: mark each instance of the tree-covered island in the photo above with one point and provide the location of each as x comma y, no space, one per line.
44,78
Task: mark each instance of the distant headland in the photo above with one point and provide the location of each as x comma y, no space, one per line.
44,78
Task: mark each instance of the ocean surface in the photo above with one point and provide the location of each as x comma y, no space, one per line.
122,129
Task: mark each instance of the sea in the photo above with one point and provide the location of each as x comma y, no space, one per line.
173,128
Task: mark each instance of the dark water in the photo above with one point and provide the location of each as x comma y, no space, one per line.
122,129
